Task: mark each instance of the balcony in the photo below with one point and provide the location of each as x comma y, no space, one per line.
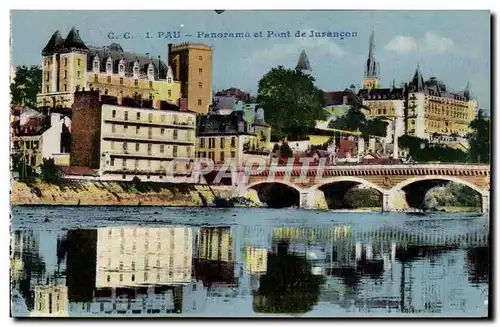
140,155
180,125
147,139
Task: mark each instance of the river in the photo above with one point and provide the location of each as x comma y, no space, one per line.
194,262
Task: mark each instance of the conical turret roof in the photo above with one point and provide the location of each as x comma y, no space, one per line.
55,43
417,83
73,41
303,63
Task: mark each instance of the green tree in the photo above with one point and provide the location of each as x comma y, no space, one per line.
362,198
291,101
480,138
285,151
288,286
27,83
355,119
50,172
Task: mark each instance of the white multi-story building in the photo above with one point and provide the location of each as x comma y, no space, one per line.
124,142
128,257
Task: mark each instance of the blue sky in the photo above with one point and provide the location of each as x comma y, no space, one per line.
453,46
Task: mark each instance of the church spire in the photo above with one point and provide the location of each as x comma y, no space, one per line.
372,68
467,91
303,63
417,83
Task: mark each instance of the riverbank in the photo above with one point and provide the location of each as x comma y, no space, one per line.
91,193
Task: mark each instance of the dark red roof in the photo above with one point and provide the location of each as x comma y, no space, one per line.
336,98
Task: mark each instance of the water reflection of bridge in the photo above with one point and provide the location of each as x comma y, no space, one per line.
402,237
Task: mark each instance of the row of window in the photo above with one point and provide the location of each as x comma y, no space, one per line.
175,133
149,146
211,142
65,62
211,155
163,117
136,163
146,276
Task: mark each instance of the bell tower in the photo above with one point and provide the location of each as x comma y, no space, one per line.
372,71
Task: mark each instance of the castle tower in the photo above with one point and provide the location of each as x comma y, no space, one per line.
64,68
192,65
303,63
372,70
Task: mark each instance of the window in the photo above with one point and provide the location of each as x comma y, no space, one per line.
113,113
233,142
125,129
113,128
150,132
136,164
174,152
124,163
137,147
109,79
149,163
125,147
146,276
175,134
200,85
212,143
121,68
162,148
132,278
96,78
47,89
202,142
126,115
65,61
162,118
169,93
200,71
65,87
137,129
136,82
112,145
105,91
150,118
222,142
47,77
233,154
121,80
108,67
162,131
199,102
222,155
112,163
108,278
150,85
78,74
149,149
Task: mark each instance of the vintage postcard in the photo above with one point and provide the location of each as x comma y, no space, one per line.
224,163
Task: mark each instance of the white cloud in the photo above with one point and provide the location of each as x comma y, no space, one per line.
431,42
402,44
435,43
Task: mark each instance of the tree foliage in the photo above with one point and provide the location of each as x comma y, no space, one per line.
288,286
285,150
354,119
50,172
291,101
27,83
362,198
420,150
479,139
452,195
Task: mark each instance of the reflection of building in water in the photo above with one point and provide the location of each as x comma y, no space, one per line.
216,243
256,261
16,254
215,264
51,301
144,256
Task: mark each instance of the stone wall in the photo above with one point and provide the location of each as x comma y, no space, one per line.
113,194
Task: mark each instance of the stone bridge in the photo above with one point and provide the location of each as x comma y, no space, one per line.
392,181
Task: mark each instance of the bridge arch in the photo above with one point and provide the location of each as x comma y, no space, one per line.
275,193
347,179
454,179
283,182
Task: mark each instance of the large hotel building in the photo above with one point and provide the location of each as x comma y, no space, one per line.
423,108
127,141
70,65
